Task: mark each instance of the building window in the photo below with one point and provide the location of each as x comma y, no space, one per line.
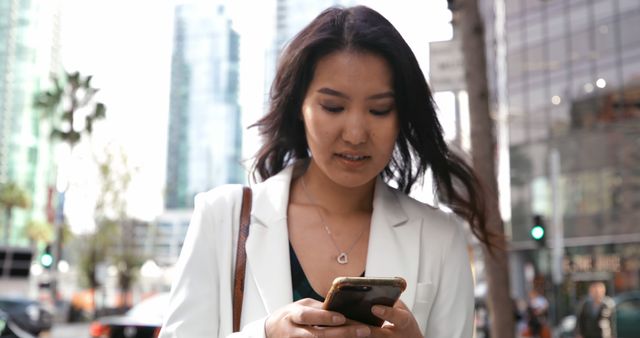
629,31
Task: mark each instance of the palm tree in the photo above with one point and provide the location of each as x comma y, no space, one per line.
12,196
468,22
71,111
37,232
62,106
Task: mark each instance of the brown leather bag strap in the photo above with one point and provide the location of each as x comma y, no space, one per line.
241,257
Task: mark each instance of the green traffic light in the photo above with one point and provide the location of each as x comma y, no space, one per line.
537,232
46,260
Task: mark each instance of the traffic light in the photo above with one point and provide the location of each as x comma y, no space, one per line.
46,259
538,231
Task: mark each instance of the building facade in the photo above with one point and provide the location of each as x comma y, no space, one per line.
204,141
573,89
29,53
291,17
168,233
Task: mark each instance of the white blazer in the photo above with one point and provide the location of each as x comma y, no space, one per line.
425,246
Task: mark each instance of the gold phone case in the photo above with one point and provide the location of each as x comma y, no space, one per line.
354,296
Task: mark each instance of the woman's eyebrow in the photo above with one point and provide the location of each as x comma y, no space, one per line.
384,95
333,92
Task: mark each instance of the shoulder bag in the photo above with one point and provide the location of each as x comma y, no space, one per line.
241,257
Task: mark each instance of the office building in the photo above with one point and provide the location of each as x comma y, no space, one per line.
29,52
168,233
573,89
204,141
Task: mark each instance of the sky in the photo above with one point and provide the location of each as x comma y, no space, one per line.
126,45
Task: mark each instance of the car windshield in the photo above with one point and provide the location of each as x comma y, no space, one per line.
152,307
12,302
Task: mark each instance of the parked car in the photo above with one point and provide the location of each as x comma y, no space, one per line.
627,312
142,321
5,331
9,329
27,314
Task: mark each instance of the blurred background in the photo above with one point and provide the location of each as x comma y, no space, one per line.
114,114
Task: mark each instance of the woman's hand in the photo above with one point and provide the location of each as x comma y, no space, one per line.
306,318
400,322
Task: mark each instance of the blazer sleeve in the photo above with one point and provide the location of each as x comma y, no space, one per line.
452,312
194,300
195,303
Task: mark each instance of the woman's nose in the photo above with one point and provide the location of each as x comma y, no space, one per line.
355,128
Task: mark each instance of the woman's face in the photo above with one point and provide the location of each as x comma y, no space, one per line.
350,116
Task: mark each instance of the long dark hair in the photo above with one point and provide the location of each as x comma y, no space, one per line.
420,144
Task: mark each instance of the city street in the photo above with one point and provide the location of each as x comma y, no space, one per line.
75,330
485,151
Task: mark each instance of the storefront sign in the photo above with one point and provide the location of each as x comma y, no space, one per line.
597,263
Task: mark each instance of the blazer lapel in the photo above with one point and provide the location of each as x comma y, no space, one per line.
394,242
268,242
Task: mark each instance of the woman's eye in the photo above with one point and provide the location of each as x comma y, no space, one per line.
332,109
381,112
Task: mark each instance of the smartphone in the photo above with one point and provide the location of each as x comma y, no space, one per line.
354,296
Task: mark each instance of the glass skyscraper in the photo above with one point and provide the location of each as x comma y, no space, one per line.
204,141
29,52
291,17
573,88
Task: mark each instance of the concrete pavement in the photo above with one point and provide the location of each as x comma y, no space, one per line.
75,330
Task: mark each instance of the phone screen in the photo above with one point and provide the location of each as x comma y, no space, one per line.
354,297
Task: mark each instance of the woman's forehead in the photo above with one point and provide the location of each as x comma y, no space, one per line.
361,73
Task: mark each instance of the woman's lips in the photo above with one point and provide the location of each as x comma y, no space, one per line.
352,157
352,161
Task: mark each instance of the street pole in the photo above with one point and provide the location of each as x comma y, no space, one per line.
557,232
63,157
57,247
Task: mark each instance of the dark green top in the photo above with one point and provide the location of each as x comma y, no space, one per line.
301,286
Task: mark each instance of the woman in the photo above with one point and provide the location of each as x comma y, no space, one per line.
350,111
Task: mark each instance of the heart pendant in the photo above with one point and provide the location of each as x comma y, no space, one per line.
343,258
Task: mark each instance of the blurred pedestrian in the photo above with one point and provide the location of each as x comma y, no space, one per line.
521,306
595,316
537,311
350,113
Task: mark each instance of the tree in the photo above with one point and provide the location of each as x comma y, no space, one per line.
38,232
12,196
111,242
70,108
111,211
468,22
127,261
93,249
71,112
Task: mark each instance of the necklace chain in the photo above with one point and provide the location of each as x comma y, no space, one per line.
343,256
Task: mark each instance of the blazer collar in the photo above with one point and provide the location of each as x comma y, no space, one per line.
268,242
394,240
386,206
271,200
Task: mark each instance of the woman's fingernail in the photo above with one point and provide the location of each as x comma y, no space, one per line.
338,320
378,311
363,332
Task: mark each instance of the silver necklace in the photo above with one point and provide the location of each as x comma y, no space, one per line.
343,256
